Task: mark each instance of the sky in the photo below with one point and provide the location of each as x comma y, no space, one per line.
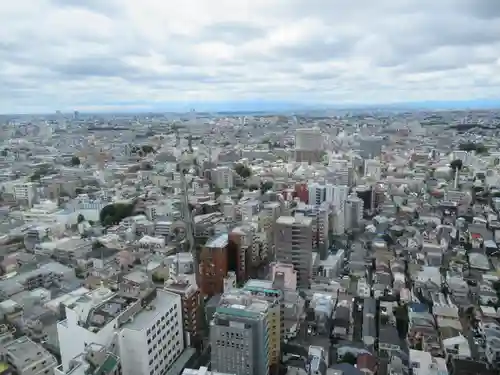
137,54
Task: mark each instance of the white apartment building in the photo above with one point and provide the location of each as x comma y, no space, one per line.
143,324
223,177
24,191
89,208
317,193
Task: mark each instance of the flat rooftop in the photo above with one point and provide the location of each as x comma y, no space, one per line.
294,220
164,300
218,241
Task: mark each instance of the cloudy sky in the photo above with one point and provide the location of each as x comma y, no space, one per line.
98,54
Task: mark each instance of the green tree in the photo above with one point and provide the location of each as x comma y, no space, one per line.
456,164
242,170
75,160
114,213
147,149
4,152
80,218
265,186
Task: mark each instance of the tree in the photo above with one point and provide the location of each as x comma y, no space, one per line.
348,358
80,218
479,148
114,213
456,164
4,152
242,170
75,160
265,186
253,187
147,149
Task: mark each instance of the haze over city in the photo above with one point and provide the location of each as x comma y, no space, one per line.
130,55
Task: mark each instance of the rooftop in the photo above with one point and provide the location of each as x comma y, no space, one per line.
294,220
218,241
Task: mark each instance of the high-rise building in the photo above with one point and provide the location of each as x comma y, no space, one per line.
265,289
223,177
353,212
308,145
317,193
143,324
319,213
185,286
214,265
293,244
239,335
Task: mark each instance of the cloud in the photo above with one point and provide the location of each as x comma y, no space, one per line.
88,54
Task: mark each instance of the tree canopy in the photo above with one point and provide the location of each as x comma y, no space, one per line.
471,146
242,170
456,164
114,213
75,160
265,186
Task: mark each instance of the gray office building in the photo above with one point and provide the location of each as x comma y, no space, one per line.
239,335
294,245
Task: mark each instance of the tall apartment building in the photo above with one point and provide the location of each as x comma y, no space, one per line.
317,193
265,289
223,177
353,212
213,265
320,214
293,244
185,286
308,145
239,335
142,323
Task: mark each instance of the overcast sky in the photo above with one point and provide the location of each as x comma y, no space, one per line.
86,54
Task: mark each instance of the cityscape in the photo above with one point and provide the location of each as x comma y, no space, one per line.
198,244
250,187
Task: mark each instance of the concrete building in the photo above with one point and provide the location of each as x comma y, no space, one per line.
264,289
239,335
353,212
26,357
213,265
308,145
223,177
96,360
293,245
185,286
143,323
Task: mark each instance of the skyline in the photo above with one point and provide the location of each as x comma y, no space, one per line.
124,55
